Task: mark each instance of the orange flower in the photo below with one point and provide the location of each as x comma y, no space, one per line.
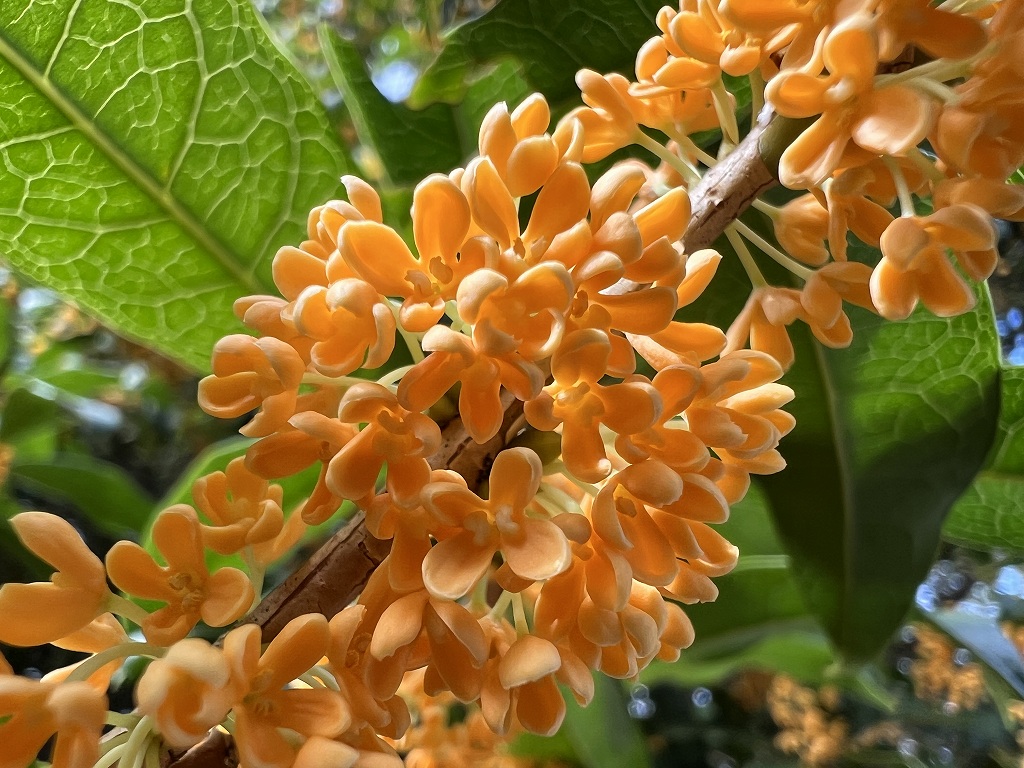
264,703
76,594
350,324
402,438
666,440
310,436
349,654
455,358
914,264
525,676
102,633
534,549
704,34
253,373
736,412
378,255
886,121
522,153
1001,200
244,509
763,321
31,712
578,402
185,584
186,692
801,227
939,33
525,316
417,630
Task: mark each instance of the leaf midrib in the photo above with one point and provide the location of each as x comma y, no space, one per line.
173,208
843,469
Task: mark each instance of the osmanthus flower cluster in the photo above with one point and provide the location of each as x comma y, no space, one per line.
878,137
528,280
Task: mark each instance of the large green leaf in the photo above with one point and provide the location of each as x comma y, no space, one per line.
410,143
153,157
105,494
991,512
602,734
550,41
759,619
758,599
889,432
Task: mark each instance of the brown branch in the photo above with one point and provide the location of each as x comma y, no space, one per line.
337,572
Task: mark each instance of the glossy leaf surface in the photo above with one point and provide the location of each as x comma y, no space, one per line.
889,433
991,512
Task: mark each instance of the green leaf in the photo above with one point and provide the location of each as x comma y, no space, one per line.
158,156
888,434
29,424
991,512
410,143
741,616
603,735
549,41
804,655
105,493
216,459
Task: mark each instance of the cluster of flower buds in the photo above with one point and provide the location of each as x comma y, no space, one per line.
897,102
526,281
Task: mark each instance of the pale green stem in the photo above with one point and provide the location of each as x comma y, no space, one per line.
479,597
459,325
411,340
749,265
769,210
501,605
726,115
560,497
902,188
135,748
778,256
685,170
558,467
519,614
87,668
108,745
686,145
940,70
312,681
756,95
548,505
964,6
111,757
126,608
152,759
392,377
122,721
256,575
312,377
924,164
940,91
324,674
